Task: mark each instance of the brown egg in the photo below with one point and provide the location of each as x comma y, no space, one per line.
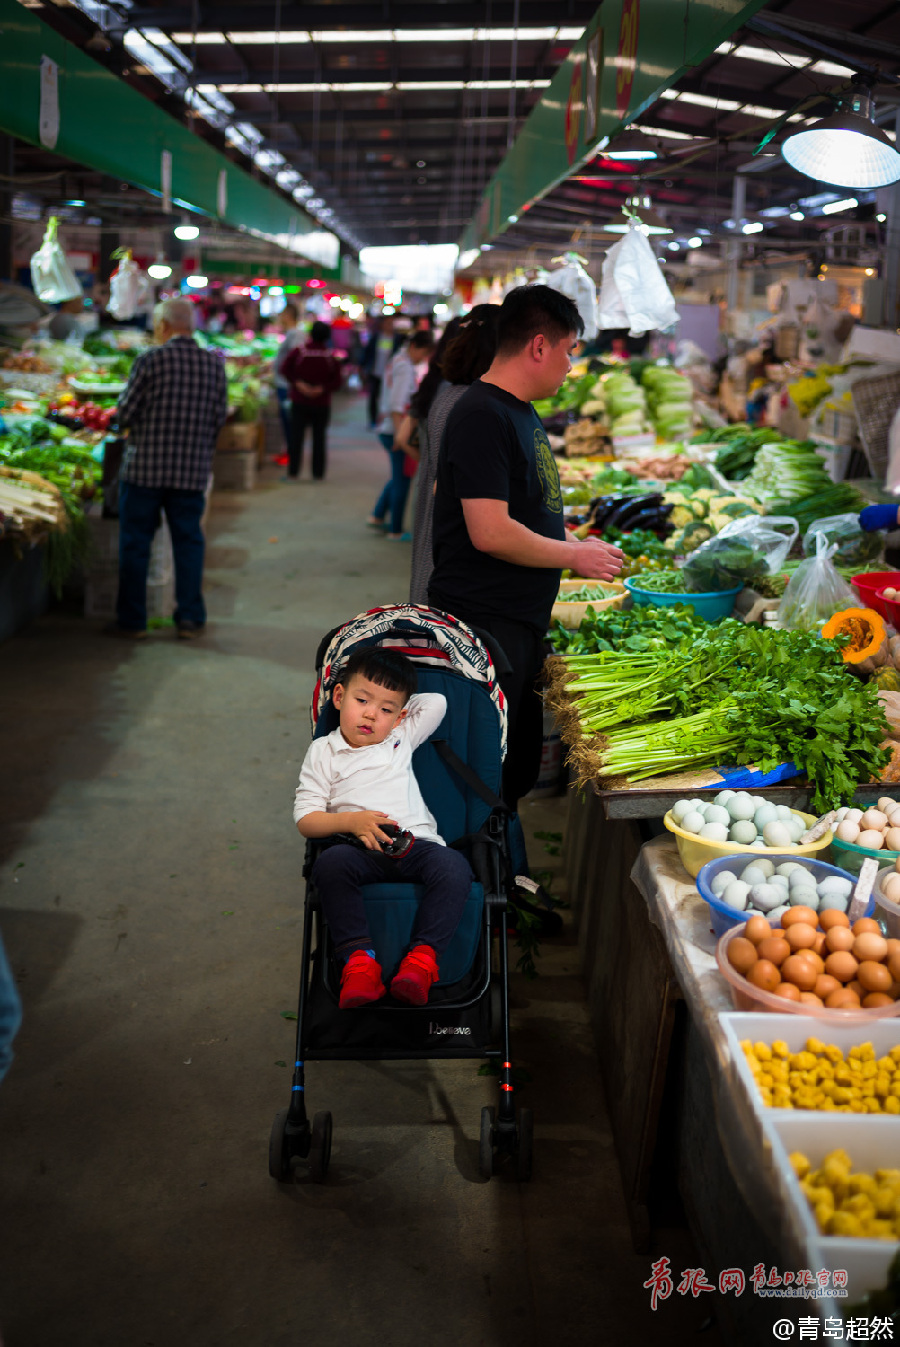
825,985
810,999
893,947
800,971
832,917
856,986
819,946
800,936
774,948
876,999
894,993
741,954
841,965
894,966
813,958
756,929
869,946
801,914
764,975
838,938
787,991
843,1000
874,976
866,924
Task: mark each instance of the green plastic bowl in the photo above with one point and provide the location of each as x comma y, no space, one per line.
850,857
708,606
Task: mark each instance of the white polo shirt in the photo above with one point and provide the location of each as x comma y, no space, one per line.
336,777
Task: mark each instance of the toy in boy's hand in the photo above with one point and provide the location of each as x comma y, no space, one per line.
875,517
401,841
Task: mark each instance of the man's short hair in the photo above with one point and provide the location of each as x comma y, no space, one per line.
177,313
422,341
291,310
381,665
530,310
320,333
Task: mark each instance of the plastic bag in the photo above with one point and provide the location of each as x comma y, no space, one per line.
129,288
745,550
893,471
815,592
53,279
633,292
573,281
855,547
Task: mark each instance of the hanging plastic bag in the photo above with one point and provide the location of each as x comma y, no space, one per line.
129,288
634,293
573,281
855,547
815,592
745,550
892,481
53,279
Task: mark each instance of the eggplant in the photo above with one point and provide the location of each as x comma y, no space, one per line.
621,518
604,507
655,519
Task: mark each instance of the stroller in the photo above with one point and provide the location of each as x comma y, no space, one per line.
458,770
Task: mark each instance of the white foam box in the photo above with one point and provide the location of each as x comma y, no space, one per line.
872,1142
100,596
234,470
104,558
794,1030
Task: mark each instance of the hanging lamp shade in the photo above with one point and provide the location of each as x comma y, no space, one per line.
631,145
650,222
846,149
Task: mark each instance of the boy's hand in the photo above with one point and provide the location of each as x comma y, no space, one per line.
365,824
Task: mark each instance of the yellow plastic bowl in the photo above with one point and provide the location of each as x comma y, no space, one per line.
696,851
571,615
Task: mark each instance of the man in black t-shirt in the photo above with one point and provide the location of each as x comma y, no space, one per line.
500,540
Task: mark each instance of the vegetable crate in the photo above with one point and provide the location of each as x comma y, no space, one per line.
235,470
239,435
104,558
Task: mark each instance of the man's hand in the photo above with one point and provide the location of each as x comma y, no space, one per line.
594,560
365,824
309,390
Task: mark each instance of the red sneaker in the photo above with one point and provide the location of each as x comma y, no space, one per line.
415,976
360,981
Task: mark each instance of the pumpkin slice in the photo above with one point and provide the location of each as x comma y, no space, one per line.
867,648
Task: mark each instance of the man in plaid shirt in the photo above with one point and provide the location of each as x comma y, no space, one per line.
175,403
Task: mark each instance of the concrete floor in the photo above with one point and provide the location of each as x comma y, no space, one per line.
150,900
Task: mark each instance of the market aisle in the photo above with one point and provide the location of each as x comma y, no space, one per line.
149,897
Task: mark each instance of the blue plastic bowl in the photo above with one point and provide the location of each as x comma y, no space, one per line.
724,917
708,606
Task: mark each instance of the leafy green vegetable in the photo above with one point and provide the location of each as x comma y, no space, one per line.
660,582
722,563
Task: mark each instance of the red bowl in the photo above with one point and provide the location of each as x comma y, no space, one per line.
869,583
889,608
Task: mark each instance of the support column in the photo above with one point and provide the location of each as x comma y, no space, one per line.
738,210
109,242
7,190
891,311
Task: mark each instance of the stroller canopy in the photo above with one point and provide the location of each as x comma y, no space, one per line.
424,635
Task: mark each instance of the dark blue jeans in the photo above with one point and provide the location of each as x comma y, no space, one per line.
140,513
284,412
394,495
340,872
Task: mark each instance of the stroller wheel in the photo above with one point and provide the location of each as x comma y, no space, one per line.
279,1159
524,1145
486,1146
320,1147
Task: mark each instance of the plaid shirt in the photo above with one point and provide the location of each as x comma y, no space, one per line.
175,403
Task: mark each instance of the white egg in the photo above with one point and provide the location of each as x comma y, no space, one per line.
779,881
740,806
723,797
736,895
743,832
764,814
835,884
758,801
720,881
801,876
787,868
765,897
693,822
796,827
716,814
679,809
841,814
714,832
783,813
758,845
753,874
776,835
832,902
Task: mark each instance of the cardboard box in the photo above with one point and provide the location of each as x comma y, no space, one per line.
104,558
235,470
238,436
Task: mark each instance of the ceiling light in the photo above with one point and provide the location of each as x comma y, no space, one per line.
75,203
705,101
420,163
198,282
673,247
335,301
881,217
265,38
870,271
847,149
833,207
188,39
752,110
769,57
159,271
752,227
797,214
667,133
831,68
186,232
631,144
276,289
695,242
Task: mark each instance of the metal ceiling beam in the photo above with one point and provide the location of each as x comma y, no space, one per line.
304,74
390,14
842,36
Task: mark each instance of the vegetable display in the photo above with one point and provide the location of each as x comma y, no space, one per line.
659,582
865,646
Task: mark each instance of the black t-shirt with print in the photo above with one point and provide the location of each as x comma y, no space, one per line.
494,447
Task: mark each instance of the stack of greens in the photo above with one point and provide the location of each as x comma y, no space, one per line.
670,398
739,447
730,694
790,478
637,630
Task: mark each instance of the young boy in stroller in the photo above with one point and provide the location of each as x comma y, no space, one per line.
367,762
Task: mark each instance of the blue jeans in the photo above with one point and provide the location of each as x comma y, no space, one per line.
10,1012
140,512
340,872
394,495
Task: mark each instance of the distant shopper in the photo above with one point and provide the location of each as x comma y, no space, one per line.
66,321
174,405
500,540
313,374
382,344
463,355
288,322
400,383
